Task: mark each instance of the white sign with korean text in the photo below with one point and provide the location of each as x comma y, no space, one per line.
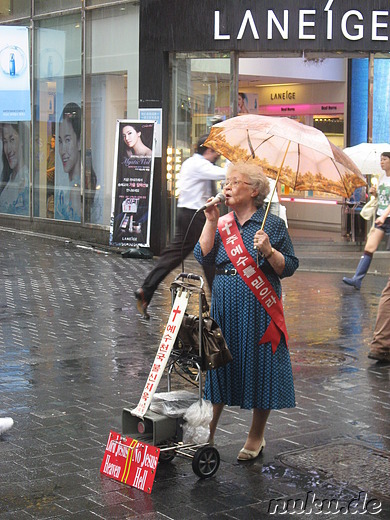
163,353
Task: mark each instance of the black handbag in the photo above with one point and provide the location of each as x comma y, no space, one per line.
215,352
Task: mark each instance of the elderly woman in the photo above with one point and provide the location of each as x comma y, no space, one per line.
246,303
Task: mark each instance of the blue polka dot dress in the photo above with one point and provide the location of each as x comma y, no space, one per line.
256,378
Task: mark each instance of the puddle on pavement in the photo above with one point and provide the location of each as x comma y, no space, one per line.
292,478
353,464
318,357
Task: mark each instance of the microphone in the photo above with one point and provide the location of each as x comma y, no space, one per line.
220,197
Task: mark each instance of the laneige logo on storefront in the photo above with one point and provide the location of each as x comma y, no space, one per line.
281,96
352,25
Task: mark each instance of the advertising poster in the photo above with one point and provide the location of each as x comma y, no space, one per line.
247,103
67,181
154,114
132,183
14,74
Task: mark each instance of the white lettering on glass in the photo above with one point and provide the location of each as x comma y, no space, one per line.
303,23
272,20
358,27
248,18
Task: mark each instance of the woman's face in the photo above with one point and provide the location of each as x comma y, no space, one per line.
11,146
385,163
238,190
130,136
69,146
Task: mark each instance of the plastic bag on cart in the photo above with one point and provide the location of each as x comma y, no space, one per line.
197,417
173,404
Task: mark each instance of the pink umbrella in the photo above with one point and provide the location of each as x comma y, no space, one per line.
298,155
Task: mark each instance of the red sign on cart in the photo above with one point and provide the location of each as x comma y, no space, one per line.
129,461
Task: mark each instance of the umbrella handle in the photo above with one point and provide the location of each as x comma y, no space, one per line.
270,200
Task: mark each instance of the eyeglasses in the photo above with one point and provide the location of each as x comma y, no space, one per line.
234,183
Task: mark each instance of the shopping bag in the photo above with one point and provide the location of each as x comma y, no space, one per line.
368,211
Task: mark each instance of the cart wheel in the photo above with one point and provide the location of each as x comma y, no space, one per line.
166,456
206,461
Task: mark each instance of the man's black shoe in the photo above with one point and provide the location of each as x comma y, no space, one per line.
142,304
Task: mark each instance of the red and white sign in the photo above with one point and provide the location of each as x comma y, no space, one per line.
163,353
130,461
324,109
254,278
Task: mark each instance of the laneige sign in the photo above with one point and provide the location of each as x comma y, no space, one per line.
265,25
356,25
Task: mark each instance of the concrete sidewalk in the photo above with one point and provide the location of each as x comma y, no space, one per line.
74,353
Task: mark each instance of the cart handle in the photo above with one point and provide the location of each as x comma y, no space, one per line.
191,276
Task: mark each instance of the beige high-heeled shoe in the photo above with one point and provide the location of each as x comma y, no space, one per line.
245,454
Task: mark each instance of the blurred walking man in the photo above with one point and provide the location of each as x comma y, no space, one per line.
380,345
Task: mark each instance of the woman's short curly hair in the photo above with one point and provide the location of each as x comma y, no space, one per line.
255,175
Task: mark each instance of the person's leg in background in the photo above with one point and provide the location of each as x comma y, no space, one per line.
380,345
176,251
373,241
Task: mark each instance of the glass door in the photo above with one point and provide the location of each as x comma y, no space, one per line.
202,90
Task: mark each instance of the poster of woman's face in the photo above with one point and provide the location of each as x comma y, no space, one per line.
247,103
70,149
14,175
130,223
12,146
68,182
137,139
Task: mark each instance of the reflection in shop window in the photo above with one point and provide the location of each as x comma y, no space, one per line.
58,120
111,93
68,182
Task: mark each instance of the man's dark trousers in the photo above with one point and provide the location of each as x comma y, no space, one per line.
177,250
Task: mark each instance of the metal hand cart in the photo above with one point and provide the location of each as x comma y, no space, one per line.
166,432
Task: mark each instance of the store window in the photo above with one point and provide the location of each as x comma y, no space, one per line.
43,6
57,158
310,90
111,94
359,97
14,134
10,9
200,96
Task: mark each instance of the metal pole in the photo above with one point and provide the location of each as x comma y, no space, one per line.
234,73
83,111
32,122
174,127
370,97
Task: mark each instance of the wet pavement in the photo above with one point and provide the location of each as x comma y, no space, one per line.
74,353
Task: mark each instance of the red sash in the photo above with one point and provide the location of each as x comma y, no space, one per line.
254,278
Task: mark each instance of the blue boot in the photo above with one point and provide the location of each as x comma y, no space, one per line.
361,271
